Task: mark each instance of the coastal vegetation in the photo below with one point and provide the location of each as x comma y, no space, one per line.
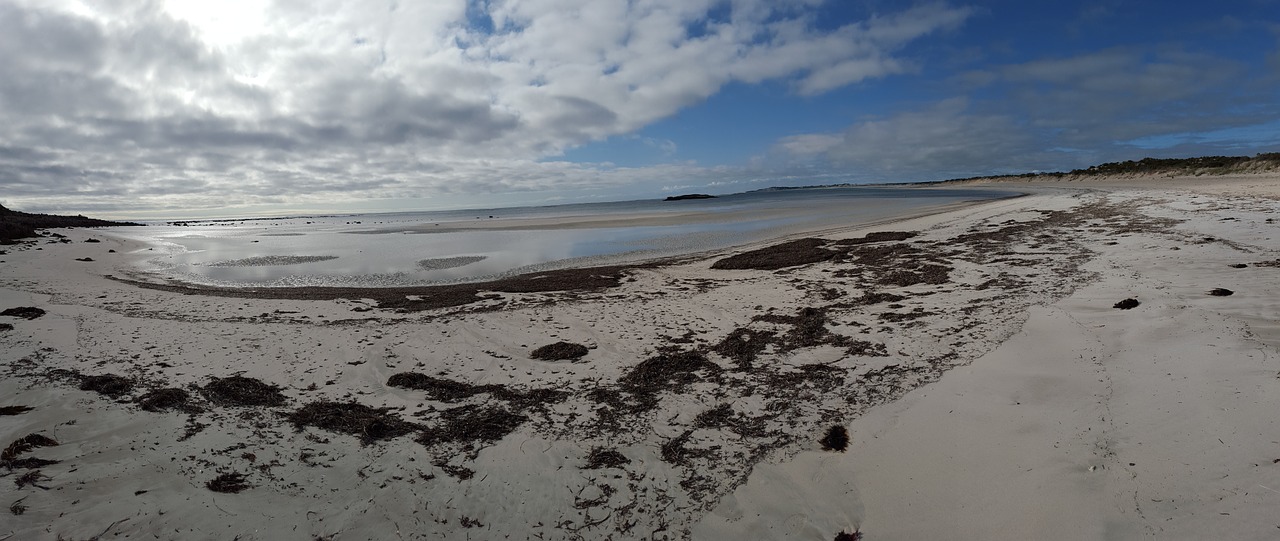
1198,166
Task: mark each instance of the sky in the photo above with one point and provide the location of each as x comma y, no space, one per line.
192,108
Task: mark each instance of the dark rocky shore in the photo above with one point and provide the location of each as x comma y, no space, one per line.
16,225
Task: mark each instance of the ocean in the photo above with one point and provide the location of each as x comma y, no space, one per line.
423,248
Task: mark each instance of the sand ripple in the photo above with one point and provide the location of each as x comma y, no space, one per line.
271,260
449,262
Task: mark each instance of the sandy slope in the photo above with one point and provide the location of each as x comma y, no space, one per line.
1038,409
1090,422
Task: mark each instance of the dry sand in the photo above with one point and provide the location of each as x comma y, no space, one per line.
989,387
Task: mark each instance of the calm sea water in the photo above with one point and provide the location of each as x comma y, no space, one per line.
377,250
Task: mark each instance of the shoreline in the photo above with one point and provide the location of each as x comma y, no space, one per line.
705,387
523,278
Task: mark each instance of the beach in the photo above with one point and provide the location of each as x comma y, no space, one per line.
1096,359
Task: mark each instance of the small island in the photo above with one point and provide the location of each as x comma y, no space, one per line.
689,196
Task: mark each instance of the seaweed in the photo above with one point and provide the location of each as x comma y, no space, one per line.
879,236
922,274
32,478
458,472
898,317
849,536
471,424
450,391
559,351
716,417
671,370
600,457
368,424
6,326
14,410
822,377
808,329
881,255
743,345
29,463
675,452
107,384
1127,304
24,312
869,298
779,256
439,389
9,457
165,399
228,483
242,391
863,348
1220,292
837,439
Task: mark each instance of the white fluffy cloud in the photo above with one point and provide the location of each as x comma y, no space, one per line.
183,103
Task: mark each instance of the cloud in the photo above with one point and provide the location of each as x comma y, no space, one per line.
1060,113
163,102
946,140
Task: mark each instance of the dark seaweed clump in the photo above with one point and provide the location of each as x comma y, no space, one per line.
368,424
107,384
605,458
1221,292
9,457
14,410
870,298
716,417
1127,304
165,399
6,326
24,312
242,391
879,236
667,371
559,351
837,439
443,390
743,345
846,536
926,273
808,329
450,391
228,483
779,256
33,478
471,424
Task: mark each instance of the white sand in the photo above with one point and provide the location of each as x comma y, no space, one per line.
1053,415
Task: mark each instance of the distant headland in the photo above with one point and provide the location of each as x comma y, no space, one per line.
16,225
689,196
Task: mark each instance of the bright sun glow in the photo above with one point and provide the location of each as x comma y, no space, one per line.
220,23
